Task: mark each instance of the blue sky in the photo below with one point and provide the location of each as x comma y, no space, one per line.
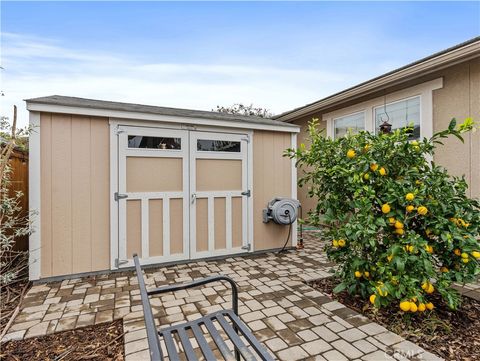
278,55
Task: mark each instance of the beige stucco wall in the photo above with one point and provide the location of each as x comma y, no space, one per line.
272,177
74,183
459,98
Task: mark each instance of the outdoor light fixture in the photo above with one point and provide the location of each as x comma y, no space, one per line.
385,127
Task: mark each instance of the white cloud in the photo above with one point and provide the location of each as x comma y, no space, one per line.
38,67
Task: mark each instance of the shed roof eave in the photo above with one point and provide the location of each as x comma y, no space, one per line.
38,106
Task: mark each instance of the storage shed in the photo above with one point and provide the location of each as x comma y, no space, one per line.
109,179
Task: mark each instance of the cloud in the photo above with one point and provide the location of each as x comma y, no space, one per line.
38,67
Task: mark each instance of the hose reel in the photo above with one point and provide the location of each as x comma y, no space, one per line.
282,211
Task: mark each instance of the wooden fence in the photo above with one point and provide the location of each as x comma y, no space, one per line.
19,182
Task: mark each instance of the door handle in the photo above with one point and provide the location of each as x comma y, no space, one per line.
194,197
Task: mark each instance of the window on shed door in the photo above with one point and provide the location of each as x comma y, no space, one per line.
353,123
400,114
147,142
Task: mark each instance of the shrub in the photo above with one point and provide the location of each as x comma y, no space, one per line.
397,225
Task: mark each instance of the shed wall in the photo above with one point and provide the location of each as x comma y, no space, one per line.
74,153
272,177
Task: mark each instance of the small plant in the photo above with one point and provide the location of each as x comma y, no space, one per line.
398,226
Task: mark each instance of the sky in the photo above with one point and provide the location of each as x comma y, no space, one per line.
276,55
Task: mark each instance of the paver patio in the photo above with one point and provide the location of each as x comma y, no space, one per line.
293,320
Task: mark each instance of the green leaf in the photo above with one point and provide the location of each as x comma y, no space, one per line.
340,287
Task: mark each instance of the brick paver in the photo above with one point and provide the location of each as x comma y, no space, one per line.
293,320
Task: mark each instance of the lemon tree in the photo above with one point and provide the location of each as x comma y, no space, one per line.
398,226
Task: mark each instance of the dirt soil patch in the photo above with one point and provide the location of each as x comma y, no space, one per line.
99,342
453,335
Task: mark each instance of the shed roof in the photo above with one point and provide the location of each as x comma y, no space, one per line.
74,102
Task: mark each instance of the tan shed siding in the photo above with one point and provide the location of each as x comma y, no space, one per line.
272,177
74,194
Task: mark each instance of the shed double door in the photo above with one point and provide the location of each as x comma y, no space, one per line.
181,194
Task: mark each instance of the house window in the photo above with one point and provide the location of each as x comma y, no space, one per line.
353,123
140,141
400,114
210,145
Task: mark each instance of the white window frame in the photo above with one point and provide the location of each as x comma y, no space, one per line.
424,90
347,115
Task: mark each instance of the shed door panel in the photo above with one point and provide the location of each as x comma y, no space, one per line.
218,209
153,179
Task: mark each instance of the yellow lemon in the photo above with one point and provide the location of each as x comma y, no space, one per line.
425,285
358,274
382,292
366,176
422,210
366,274
391,220
335,243
476,254
421,307
430,289
414,142
351,154
409,197
374,167
386,208
410,208
382,171
465,260
457,251
341,242
405,306
413,307
428,248
464,255
399,231
429,305
372,299
399,225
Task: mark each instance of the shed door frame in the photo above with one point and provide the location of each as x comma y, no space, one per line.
115,131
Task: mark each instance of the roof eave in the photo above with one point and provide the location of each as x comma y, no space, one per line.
429,65
35,106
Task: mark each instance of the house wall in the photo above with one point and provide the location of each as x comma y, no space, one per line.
458,98
74,153
272,177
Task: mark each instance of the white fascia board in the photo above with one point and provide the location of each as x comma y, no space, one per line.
49,108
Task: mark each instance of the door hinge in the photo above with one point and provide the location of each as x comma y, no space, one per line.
246,193
117,196
119,262
247,247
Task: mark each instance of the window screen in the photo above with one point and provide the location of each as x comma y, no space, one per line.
400,114
353,123
139,141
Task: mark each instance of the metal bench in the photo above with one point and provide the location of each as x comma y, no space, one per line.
227,320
